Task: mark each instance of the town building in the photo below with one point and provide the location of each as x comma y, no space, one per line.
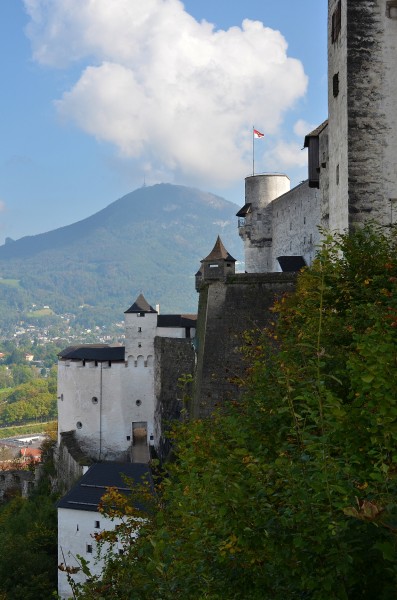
80,519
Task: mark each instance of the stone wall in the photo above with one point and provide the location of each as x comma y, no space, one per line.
70,461
287,225
369,128
174,358
16,481
337,122
296,218
362,115
226,310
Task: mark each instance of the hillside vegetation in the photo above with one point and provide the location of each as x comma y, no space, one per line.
290,492
26,396
28,540
151,241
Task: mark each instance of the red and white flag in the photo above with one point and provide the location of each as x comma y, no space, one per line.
258,134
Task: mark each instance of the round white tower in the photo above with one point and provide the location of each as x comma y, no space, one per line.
255,218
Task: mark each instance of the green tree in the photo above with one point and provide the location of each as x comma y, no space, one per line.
291,491
6,379
28,544
22,373
16,357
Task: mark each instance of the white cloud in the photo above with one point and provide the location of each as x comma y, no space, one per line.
177,94
286,155
302,128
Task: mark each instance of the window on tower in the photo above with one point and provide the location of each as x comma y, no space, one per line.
335,85
336,22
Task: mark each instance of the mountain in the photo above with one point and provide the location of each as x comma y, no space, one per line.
150,241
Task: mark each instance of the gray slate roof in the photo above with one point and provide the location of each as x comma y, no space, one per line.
99,352
243,211
140,305
176,320
315,132
87,493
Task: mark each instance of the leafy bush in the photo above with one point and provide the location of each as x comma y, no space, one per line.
291,491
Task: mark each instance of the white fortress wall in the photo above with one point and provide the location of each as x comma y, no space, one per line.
296,218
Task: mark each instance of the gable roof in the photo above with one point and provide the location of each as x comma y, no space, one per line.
243,211
140,305
99,352
219,252
291,264
176,320
87,493
315,133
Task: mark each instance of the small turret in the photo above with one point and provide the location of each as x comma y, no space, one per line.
141,305
140,331
216,266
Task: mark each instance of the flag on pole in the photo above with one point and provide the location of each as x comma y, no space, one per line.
258,134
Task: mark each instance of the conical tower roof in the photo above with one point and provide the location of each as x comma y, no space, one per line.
219,252
140,305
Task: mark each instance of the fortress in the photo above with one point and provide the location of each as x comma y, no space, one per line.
114,402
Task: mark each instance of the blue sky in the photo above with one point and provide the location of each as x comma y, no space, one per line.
98,96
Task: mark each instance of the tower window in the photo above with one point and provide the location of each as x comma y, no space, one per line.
97,525
141,314
139,329
393,206
336,22
79,425
94,400
391,9
89,548
335,85
337,174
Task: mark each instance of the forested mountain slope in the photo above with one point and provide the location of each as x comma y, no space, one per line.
150,241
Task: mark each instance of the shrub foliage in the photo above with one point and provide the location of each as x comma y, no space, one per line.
291,491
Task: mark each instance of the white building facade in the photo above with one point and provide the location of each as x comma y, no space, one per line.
106,394
79,520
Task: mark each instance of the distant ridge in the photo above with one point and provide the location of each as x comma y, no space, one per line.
151,241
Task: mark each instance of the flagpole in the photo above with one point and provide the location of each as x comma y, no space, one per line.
253,151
